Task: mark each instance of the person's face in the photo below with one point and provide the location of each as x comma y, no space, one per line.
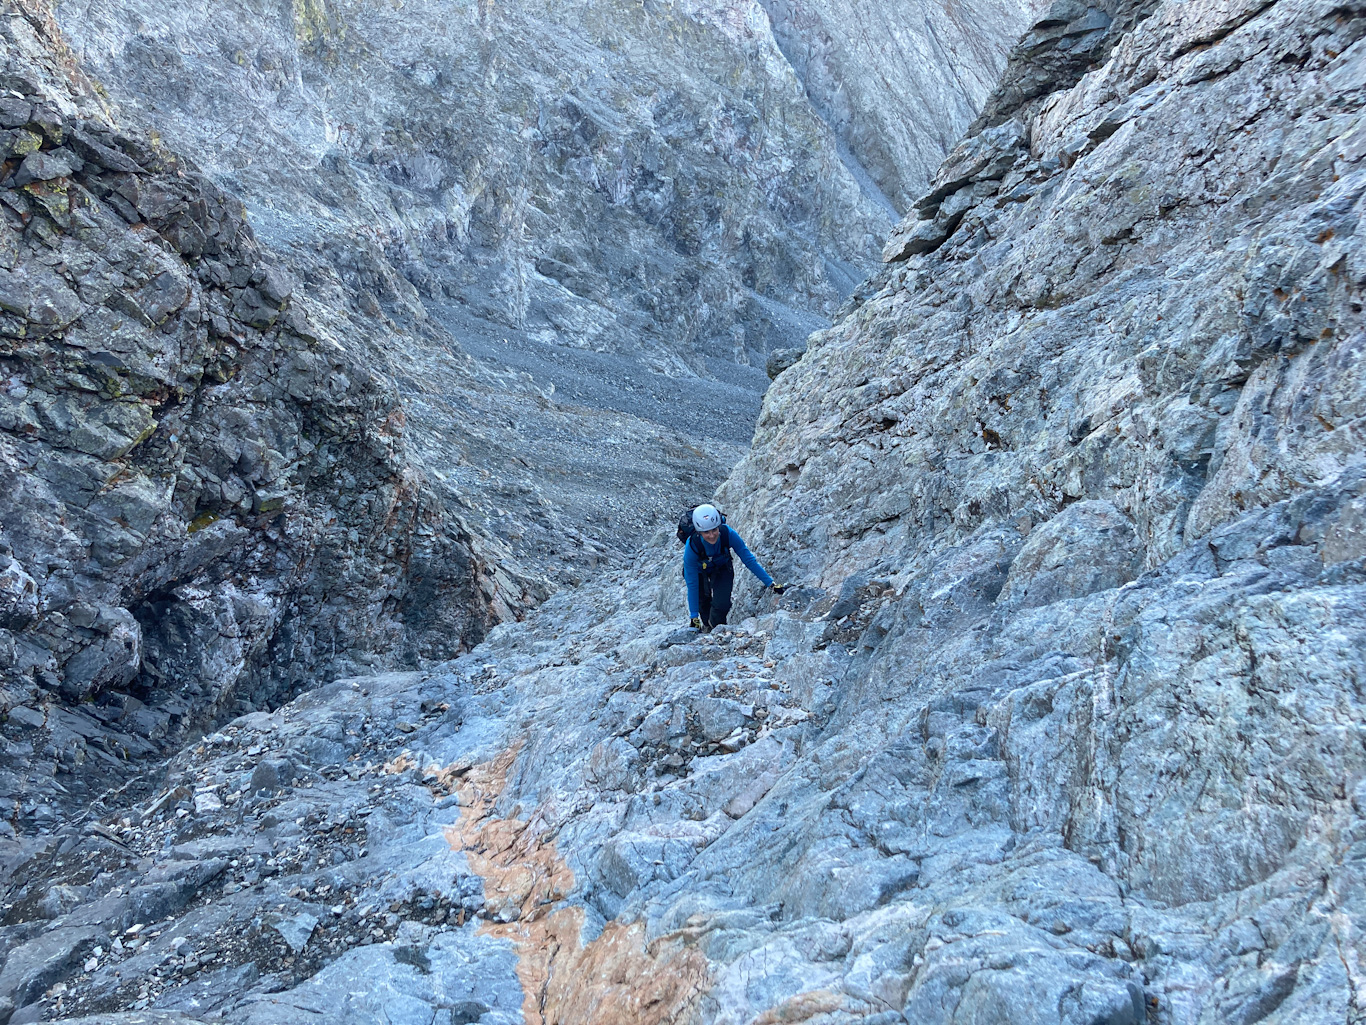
710,536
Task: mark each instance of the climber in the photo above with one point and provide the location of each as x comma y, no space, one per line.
708,568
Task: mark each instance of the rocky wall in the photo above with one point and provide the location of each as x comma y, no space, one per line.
207,504
1124,294
1060,721
644,179
898,82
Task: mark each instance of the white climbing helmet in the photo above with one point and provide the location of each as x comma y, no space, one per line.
706,517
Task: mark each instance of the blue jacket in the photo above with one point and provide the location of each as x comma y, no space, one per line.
692,569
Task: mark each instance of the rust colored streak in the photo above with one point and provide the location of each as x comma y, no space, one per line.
618,978
802,1007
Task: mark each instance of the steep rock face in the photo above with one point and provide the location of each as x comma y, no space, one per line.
1136,289
1131,298
616,209
204,498
1061,720
570,233
898,82
644,179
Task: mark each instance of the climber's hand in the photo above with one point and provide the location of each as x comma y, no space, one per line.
779,588
695,622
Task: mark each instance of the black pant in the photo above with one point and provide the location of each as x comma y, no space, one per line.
713,595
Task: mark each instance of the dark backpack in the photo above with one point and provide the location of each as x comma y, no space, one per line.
687,533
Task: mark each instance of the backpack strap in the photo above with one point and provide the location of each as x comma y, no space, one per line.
720,559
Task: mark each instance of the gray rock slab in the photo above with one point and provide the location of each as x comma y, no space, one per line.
385,983
297,930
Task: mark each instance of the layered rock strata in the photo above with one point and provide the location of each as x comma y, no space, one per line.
205,499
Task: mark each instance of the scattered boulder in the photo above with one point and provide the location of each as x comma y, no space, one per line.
614,764
45,165
272,774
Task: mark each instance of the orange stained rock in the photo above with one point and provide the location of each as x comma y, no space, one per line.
616,979
399,763
802,1007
